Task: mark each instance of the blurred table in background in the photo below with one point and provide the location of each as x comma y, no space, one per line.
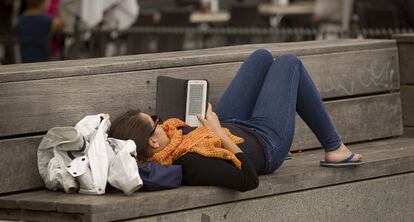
201,17
277,12
292,9
209,17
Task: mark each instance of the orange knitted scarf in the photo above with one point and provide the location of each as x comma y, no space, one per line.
201,141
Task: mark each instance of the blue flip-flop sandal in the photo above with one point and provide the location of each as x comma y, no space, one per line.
344,163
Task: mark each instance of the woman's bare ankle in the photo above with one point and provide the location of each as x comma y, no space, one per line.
341,154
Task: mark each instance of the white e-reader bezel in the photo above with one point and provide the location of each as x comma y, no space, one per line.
192,120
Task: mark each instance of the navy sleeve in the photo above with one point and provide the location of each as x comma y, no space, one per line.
159,177
208,171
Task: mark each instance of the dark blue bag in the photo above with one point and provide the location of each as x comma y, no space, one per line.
159,177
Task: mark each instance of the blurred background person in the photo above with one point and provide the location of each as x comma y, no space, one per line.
34,29
8,14
56,42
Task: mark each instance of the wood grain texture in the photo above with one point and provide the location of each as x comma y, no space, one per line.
357,119
18,165
21,72
345,74
406,37
28,215
406,55
37,105
408,131
380,199
407,96
405,44
382,158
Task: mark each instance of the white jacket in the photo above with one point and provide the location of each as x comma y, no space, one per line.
83,158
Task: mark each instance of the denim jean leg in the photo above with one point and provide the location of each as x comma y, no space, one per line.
275,109
265,96
311,109
240,96
288,89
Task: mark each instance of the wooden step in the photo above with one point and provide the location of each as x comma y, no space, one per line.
382,158
60,69
381,199
407,97
39,104
356,119
405,53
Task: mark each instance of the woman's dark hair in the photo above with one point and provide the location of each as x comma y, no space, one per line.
131,125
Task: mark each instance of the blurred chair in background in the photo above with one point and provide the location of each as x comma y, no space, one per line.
405,10
155,4
7,40
333,17
174,17
382,18
185,3
373,16
142,42
376,16
246,15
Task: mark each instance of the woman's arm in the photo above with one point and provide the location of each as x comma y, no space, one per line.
212,123
199,170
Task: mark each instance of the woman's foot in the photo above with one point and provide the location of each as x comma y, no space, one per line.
341,154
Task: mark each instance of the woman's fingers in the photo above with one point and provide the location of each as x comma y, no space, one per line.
210,111
209,108
201,119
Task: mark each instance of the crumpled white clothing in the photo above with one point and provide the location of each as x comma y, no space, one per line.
52,156
94,128
122,165
82,157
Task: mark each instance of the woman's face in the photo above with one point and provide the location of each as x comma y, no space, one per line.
159,139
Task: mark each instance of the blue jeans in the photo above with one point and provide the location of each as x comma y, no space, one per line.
265,95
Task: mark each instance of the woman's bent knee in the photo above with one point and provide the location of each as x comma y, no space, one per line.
262,54
288,58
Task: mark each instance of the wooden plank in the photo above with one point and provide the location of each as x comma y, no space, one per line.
357,119
35,106
354,73
316,46
405,54
408,131
28,215
382,158
405,44
406,37
381,199
18,165
407,97
7,214
13,202
21,72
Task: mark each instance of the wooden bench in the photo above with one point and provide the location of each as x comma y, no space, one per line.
358,79
406,52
